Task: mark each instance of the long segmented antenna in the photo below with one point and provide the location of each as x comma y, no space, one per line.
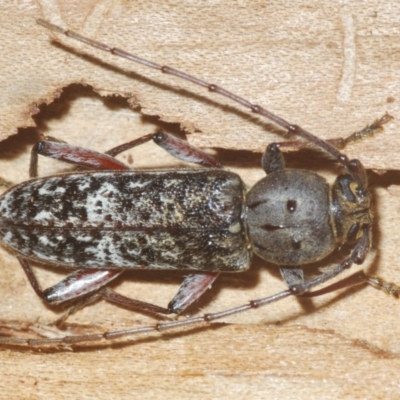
357,171
161,327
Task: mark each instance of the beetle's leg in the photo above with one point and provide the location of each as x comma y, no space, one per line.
357,256
380,284
131,304
87,300
369,130
272,160
86,281
53,148
292,275
354,166
178,148
81,282
191,289
360,277
115,298
184,151
341,143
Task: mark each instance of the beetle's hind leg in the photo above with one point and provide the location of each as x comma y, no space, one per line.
109,295
80,283
54,148
87,286
92,283
178,148
190,290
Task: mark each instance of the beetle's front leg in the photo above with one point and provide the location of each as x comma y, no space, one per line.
359,278
272,159
357,256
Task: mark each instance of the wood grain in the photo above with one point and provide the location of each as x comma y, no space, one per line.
330,67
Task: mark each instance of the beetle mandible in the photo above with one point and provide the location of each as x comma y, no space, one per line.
111,219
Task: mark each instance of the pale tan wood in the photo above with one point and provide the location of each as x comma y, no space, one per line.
332,68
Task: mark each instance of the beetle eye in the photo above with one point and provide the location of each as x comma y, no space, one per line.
348,188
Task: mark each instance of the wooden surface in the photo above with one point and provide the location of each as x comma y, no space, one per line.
331,68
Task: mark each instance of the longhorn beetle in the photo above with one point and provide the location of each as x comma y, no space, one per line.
112,219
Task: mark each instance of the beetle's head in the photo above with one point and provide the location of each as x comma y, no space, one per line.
351,208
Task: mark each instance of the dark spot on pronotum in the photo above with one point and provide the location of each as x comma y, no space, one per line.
291,205
296,244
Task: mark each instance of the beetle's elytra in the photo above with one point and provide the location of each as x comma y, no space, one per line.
183,219
205,221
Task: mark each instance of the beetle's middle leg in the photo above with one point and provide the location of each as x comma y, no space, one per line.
193,286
